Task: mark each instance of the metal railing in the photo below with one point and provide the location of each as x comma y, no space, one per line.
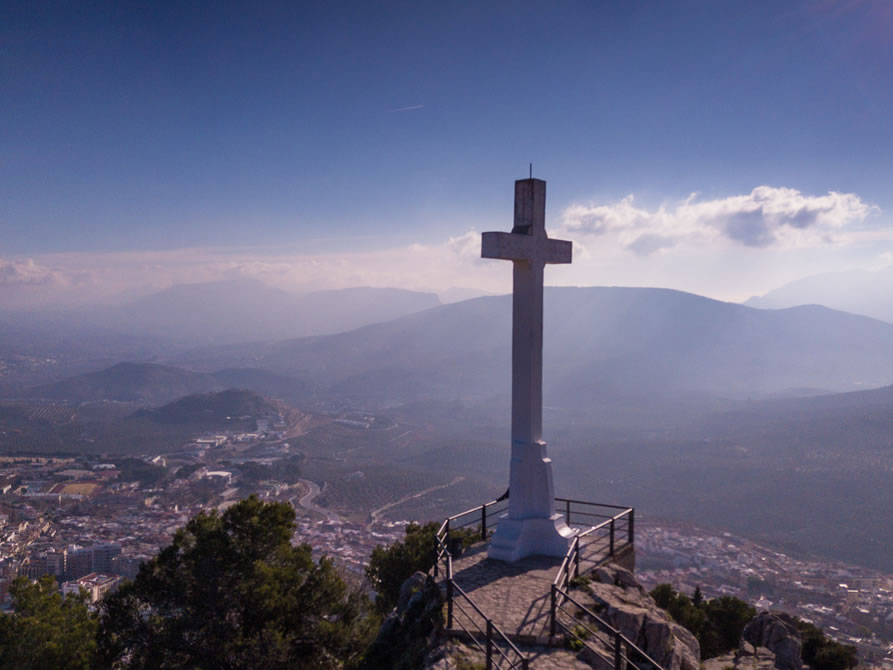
587,627
485,517
604,539
599,542
500,652
599,536
582,513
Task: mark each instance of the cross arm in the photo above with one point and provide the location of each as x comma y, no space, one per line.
558,251
520,247
506,246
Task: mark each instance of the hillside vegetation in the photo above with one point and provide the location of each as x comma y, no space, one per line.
116,429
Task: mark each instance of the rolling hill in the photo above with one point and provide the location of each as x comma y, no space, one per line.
247,310
116,429
215,410
153,384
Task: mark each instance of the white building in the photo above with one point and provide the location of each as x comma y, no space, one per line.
95,584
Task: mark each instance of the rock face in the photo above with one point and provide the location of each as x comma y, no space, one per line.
622,602
746,658
776,632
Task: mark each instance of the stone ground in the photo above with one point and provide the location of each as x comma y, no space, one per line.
462,656
516,596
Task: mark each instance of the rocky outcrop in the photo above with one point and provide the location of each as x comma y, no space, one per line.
770,641
777,632
746,658
617,598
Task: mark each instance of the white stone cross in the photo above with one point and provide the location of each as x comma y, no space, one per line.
531,526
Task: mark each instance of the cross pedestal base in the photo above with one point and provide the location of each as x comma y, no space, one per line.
516,538
531,528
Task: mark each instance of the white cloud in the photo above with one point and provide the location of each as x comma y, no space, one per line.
27,272
410,108
768,216
705,246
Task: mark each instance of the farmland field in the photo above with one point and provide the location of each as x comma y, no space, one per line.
82,488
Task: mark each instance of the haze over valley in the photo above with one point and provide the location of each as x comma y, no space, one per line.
692,408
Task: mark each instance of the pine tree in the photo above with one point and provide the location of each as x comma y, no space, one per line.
47,629
231,591
698,598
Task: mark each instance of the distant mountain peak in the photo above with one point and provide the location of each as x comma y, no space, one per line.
248,310
858,291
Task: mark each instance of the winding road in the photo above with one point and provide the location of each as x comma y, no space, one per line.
306,501
377,512
313,490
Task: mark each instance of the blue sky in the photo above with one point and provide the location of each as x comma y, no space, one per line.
304,130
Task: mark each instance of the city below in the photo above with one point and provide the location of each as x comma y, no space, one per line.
91,522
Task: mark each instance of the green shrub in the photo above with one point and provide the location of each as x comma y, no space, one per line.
581,582
822,653
390,566
717,623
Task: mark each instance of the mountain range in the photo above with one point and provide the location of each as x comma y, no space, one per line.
236,310
600,343
859,291
40,345
242,310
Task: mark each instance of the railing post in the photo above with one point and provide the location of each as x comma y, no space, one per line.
632,522
618,652
489,644
567,513
484,522
437,555
612,537
449,586
552,623
577,556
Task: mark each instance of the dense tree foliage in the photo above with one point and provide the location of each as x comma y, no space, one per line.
822,653
205,489
231,592
288,469
390,566
254,473
47,630
185,471
137,470
717,623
